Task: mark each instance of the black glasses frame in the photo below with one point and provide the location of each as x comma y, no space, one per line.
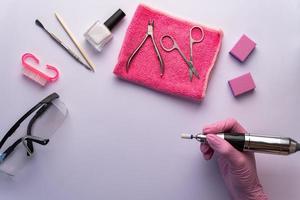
28,139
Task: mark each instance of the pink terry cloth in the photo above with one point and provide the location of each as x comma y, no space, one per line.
242,84
144,68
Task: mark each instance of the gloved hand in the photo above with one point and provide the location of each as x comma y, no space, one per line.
238,169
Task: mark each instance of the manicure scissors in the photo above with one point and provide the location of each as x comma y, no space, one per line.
174,46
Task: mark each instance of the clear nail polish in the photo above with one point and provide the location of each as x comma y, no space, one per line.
100,34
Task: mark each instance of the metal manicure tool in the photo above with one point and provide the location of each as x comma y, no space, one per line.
148,34
254,143
65,47
174,46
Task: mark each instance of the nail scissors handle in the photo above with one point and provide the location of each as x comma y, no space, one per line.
174,46
193,40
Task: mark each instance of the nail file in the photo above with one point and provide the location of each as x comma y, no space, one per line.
242,84
243,48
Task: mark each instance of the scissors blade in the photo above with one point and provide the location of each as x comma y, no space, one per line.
192,70
190,74
195,72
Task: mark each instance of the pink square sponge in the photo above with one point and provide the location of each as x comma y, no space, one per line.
243,48
242,84
145,69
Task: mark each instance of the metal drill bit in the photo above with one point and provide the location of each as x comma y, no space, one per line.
187,136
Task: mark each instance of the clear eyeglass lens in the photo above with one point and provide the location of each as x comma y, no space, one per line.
44,127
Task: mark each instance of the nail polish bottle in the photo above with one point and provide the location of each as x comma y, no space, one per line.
99,34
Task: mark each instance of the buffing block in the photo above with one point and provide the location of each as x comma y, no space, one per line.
242,84
243,48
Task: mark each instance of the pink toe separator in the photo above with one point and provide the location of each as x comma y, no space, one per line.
34,70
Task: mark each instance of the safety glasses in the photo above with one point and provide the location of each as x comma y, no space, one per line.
18,144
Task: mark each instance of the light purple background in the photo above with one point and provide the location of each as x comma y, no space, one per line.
121,141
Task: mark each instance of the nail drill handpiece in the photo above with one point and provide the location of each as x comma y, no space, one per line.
254,143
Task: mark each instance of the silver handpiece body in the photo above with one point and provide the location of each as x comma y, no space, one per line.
255,143
270,144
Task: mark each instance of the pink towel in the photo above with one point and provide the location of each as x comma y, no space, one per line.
144,68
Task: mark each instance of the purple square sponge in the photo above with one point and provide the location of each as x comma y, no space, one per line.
243,48
241,84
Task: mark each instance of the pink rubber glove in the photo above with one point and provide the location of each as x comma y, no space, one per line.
238,169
